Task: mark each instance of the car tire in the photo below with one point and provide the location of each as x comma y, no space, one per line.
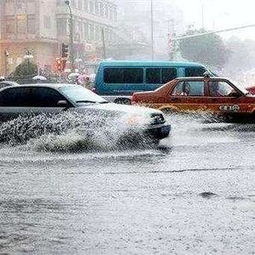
168,111
126,101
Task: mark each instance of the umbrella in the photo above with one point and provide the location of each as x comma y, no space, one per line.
39,78
73,75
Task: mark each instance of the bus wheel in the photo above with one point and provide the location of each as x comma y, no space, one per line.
168,111
122,101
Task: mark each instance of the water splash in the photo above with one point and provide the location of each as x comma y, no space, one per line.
68,131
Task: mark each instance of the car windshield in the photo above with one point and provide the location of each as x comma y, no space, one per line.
243,90
79,94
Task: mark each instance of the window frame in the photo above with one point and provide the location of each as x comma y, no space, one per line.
30,105
189,96
115,83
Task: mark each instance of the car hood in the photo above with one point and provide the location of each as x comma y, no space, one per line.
118,108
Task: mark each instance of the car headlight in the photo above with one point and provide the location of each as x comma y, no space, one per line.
137,120
157,118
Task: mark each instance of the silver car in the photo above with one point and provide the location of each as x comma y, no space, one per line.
56,98
4,84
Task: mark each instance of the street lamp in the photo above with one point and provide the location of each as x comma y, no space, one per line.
67,2
28,56
152,31
78,61
6,54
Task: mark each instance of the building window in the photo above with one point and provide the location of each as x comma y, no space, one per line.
80,5
21,24
61,27
115,14
10,24
9,7
86,31
59,2
47,22
85,5
101,8
106,11
97,33
97,9
78,31
91,7
91,32
75,3
21,4
111,14
31,24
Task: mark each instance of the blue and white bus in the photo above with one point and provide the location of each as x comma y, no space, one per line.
118,80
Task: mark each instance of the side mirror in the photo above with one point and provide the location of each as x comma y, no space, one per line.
234,94
62,103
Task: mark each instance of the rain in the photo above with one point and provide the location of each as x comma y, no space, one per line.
127,127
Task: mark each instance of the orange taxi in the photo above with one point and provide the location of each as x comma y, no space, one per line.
199,94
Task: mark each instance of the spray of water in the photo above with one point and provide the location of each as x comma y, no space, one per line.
69,131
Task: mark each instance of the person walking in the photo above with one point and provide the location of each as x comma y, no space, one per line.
88,84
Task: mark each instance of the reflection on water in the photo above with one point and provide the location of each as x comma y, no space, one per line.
124,201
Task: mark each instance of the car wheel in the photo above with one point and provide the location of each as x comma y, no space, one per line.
122,101
168,111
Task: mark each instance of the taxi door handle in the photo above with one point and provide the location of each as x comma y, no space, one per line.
174,99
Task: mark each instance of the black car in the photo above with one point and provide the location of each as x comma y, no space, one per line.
57,98
4,84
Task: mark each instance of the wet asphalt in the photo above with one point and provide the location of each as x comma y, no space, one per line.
194,194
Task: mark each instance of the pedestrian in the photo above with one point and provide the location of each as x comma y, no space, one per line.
88,84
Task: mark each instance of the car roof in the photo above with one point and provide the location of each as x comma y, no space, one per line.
114,63
9,82
48,85
199,78
41,85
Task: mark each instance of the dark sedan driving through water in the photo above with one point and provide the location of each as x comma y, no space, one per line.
56,98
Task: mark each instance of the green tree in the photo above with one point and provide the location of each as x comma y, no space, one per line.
25,69
208,49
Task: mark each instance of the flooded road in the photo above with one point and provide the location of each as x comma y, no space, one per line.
195,194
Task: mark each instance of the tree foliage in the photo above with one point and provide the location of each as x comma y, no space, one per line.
26,68
208,49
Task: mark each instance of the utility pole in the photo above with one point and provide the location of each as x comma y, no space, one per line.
103,42
152,31
6,55
171,35
178,38
71,48
202,14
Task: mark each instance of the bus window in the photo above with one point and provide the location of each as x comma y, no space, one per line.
153,75
194,71
123,75
168,74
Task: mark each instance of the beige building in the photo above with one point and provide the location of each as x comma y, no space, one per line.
39,27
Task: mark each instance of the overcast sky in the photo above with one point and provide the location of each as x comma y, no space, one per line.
220,14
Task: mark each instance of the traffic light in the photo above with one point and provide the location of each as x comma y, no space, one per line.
59,64
65,50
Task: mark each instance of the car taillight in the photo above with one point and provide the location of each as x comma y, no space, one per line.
134,99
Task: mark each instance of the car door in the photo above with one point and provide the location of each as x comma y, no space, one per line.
188,95
46,100
13,102
29,100
224,97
